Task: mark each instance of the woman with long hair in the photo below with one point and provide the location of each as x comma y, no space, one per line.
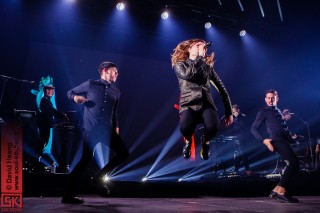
194,70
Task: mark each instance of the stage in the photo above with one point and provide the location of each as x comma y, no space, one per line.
94,204
211,184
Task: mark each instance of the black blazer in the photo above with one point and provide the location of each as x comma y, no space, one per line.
194,82
48,112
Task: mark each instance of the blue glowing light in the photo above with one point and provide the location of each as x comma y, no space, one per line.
207,25
165,15
242,33
120,6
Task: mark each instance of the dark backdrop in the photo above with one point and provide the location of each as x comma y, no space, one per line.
69,41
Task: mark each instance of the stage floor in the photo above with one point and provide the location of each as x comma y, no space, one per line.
211,193
95,204
53,185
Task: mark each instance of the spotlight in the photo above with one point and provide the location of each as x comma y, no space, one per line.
144,179
242,33
207,25
165,15
180,179
120,6
106,178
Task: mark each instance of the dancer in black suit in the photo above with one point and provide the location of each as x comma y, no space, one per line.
279,141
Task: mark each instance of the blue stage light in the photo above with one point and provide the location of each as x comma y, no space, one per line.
207,25
242,33
120,6
165,15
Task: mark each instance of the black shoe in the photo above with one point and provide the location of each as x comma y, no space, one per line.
71,199
285,198
272,194
205,151
186,150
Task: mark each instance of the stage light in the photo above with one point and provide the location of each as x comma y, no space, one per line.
207,25
106,178
144,179
70,1
242,33
180,179
120,6
165,15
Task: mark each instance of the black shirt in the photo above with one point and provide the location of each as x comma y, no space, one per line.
102,105
276,125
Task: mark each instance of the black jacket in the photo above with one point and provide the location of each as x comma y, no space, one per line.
48,112
194,81
276,125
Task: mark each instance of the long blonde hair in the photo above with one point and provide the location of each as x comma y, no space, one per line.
181,53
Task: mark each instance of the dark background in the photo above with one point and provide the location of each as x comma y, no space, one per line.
69,40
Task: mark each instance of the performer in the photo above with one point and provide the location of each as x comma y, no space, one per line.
287,114
100,99
293,124
279,141
237,133
45,101
194,70
46,116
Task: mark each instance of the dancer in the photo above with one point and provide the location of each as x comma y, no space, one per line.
279,141
100,122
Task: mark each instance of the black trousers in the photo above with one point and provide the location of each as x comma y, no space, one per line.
90,139
44,132
283,147
239,154
208,117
